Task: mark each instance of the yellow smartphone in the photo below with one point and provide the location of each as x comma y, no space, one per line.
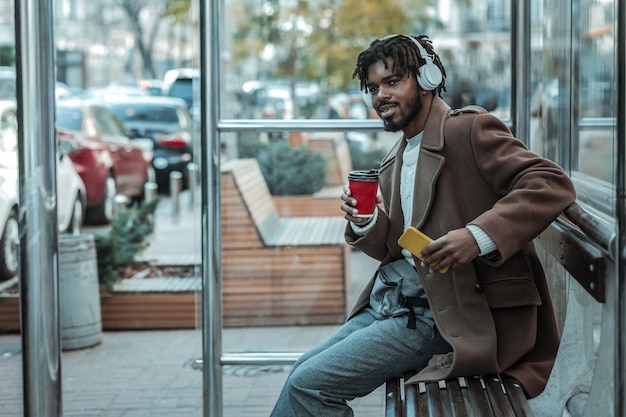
414,241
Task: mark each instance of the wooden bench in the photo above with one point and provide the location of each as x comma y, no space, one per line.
566,250
278,270
336,151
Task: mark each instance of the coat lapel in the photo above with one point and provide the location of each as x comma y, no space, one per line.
429,163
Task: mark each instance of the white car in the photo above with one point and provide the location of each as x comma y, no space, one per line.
70,191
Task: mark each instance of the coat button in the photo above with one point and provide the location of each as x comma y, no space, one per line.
478,287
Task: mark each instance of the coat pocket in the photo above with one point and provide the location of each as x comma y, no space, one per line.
511,292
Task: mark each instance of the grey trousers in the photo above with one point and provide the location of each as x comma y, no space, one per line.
361,356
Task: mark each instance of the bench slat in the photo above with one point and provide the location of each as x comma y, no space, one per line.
516,395
490,396
393,405
478,397
432,400
497,398
458,407
313,231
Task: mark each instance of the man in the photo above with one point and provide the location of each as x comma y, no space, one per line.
464,180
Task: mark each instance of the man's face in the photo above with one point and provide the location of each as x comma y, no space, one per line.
394,95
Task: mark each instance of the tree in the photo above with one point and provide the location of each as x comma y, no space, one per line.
145,33
316,40
332,33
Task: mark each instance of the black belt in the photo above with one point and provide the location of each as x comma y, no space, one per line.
410,302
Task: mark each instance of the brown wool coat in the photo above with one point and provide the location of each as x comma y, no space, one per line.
496,313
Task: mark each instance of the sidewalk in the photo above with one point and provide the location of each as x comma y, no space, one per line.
153,373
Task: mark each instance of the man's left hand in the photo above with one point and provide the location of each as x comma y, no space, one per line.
455,249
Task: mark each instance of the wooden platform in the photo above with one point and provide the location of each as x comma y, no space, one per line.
150,310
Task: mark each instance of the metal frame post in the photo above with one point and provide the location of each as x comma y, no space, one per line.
211,208
520,64
620,209
39,289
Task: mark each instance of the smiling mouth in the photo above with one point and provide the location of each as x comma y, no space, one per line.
385,109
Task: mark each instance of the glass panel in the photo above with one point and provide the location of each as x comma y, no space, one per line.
288,297
575,84
150,334
595,154
294,60
550,78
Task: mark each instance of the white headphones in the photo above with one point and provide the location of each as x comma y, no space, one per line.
429,75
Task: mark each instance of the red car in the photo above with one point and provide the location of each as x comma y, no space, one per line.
107,161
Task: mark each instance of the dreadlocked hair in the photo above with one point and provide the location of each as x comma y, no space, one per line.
405,55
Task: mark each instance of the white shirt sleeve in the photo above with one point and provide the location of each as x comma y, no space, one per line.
362,230
485,243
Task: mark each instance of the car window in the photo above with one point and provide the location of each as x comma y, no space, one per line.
146,113
185,118
69,118
108,124
182,88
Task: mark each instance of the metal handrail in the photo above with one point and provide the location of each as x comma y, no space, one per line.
298,125
596,122
597,232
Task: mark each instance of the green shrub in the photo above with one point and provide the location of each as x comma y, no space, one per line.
291,171
364,160
249,145
126,237
7,55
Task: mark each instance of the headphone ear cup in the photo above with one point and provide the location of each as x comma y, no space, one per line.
430,75
367,98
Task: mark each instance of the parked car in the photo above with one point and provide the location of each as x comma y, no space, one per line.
167,123
179,82
8,87
9,223
108,162
70,191
114,91
153,86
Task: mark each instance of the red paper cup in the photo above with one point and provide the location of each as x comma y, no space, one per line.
364,189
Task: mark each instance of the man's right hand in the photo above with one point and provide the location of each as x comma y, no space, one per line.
349,208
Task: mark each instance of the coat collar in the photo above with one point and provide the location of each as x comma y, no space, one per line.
430,163
433,131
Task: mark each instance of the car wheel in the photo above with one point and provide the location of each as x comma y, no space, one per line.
103,213
8,248
78,215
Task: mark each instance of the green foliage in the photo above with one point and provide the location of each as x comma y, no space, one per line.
291,171
249,145
337,30
364,160
7,55
316,40
125,238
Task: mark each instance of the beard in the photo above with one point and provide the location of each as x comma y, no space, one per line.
415,106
